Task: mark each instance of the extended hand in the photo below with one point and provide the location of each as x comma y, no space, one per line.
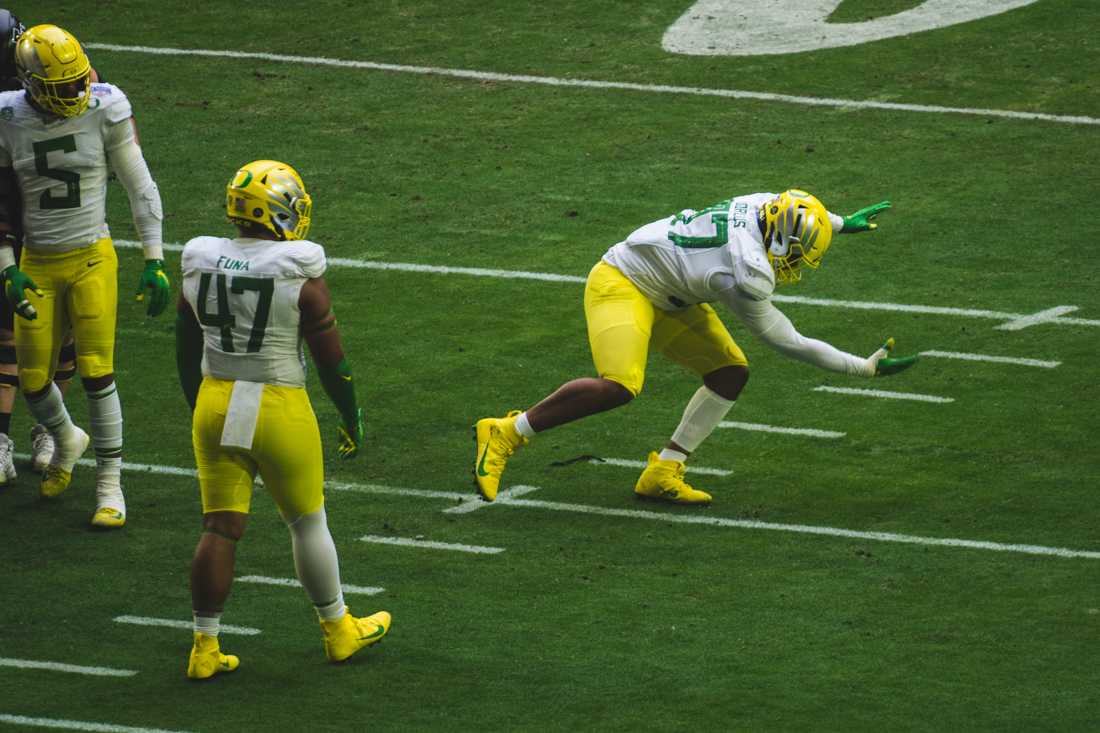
16,282
880,364
861,220
156,282
351,437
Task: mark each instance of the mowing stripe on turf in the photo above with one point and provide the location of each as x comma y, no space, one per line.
627,463
995,359
62,667
846,104
760,427
933,310
885,394
361,590
178,624
429,545
657,516
59,724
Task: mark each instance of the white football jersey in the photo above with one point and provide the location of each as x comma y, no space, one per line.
61,166
244,293
694,256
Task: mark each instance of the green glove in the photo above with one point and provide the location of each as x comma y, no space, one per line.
885,365
861,220
154,280
351,437
15,283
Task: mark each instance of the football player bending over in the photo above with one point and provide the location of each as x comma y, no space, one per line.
59,135
653,290
245,306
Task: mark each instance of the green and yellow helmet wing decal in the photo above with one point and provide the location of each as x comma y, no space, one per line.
272,195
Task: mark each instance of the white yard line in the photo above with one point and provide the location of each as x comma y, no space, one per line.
179,624
59,724
628,463
1046,316
598,84
1043,364
429,545
666,516
760,427
62,667
475,502
885,394
361,590
1021,320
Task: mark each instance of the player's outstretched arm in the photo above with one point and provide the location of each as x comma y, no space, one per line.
323,339
188,351
861,221
154,288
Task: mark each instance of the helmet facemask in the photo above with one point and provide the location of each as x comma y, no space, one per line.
797,231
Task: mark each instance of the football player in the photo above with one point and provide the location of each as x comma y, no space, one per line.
654,289
58,136
42,445
245,306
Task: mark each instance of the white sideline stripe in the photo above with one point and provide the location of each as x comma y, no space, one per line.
474,503
362,590
810,432
60,724
885,394
428,545
177,624
627,463
62,667
995,359
684,519
798,300
597,84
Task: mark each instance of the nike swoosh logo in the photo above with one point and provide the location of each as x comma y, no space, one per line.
481,464
377,632
94,263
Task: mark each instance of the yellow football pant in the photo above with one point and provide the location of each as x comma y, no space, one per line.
286,451
623,324
80,293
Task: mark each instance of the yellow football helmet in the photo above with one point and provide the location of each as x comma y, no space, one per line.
797,231
54,70
271,194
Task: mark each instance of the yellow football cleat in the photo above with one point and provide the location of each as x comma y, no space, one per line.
496,439
108,518
348,635
664,481
60,471
207,659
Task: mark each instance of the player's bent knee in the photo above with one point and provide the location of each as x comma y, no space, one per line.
728,381
618,393
34,382
225,524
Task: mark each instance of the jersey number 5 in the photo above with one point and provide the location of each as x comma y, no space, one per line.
223,319
71,199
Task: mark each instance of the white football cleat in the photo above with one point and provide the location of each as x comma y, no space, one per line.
42,448
7,467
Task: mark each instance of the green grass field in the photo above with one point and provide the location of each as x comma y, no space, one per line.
602,613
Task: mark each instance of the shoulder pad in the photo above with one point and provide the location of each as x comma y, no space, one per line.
753,273
112,101
308,258
196,253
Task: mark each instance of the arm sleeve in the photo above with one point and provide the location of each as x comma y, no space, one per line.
837,221
129,164
768,323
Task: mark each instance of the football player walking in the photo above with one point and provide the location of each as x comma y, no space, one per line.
654,289
59,135
245,307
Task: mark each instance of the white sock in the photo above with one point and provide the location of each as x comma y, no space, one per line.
105,415
317,564
209,625
704,411
523,427
668,454
49,410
